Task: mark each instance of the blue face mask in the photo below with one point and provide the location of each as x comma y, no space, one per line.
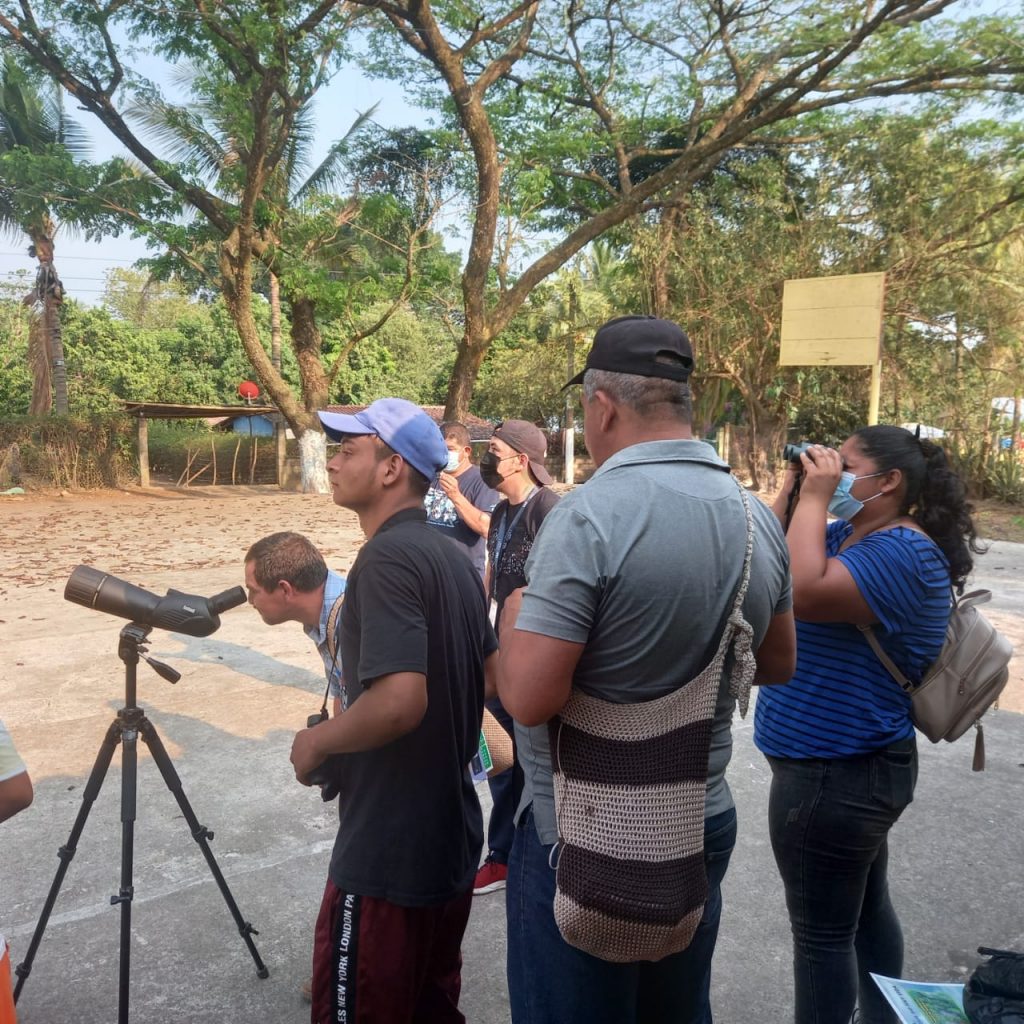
842,504
453,462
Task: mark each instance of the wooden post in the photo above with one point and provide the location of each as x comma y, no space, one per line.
143,442
875,393
281,442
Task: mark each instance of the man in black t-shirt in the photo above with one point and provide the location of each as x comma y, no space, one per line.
414,640
460,503
514,466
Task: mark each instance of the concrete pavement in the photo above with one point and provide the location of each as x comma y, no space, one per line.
956,878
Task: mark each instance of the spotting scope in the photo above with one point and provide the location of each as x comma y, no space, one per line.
177,612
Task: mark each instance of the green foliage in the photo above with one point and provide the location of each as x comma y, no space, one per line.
522,381
528,365
37,143
109,360
929,202
15,378
164,348
570,121
367,374
410,357
833,403
559,124
71,451
221,183
1005,480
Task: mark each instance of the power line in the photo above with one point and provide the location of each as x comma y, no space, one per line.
94,259
64,277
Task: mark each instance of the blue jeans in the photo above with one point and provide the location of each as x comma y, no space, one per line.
551,982
506,788
829,822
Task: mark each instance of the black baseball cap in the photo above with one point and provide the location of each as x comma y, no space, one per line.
641,345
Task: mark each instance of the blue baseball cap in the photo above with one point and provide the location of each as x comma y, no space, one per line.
401,425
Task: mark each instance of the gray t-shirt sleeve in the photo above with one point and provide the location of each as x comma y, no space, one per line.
768,531
563,575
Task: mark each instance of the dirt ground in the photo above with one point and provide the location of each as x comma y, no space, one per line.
136,531
193,540
161,538
997,521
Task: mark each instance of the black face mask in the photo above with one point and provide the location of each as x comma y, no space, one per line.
489,463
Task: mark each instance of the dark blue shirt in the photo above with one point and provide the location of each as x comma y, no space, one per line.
441,514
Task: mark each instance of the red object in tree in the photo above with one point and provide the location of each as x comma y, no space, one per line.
248,390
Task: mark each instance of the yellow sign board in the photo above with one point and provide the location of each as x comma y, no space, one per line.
832,321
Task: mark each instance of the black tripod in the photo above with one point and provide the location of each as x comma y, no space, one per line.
130,723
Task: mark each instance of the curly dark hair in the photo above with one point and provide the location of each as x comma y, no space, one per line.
935,496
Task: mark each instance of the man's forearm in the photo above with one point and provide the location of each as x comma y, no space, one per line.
476,519
393,706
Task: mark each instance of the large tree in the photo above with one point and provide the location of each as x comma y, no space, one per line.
935,205
261,62
578,117
573,119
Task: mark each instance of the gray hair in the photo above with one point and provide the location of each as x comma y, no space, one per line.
649,397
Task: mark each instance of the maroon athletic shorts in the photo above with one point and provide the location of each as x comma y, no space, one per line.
377,963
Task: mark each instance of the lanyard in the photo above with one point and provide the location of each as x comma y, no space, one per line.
501,539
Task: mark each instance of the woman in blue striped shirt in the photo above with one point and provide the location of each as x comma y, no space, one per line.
839,737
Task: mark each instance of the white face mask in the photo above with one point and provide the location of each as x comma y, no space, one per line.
454,458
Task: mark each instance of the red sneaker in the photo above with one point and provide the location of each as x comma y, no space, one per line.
490,878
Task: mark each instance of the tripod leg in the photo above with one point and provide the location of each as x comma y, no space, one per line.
130,718
201,835
67,852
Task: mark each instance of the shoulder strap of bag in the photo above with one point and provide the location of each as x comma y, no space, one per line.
738,631
973,598
890,665
332,628
748,554
332,643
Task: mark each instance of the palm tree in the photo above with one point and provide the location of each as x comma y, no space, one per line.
205,136
32,118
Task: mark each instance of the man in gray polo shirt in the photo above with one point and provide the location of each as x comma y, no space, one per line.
629,585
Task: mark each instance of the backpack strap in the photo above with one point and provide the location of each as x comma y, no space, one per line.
974,597
890,665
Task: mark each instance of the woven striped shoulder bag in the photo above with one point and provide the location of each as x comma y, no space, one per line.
629,782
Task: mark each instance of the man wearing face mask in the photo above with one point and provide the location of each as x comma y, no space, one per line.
514,466
460,503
